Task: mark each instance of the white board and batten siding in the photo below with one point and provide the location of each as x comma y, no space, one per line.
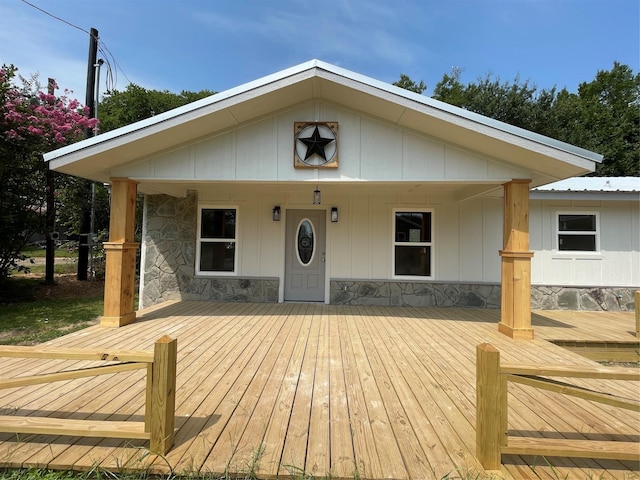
380,166
467,235
615,263
369,150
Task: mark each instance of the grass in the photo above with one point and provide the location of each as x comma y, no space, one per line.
58,268
101,474
38,252
27,317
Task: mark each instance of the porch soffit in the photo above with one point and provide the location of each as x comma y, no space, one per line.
93,158
440,191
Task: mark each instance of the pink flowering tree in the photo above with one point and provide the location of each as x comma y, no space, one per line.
32,122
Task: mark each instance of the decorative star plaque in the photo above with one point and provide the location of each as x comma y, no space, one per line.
315,145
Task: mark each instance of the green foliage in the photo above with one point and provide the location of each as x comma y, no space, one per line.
135,103
408,84
610,119
604,116
31,123
73,196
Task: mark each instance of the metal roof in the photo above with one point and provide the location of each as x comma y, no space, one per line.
593,184
548,159
317,64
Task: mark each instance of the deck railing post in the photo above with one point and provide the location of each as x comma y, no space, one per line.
163,395
490,407
148,398
637,313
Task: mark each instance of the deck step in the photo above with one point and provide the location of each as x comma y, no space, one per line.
71,427
557,447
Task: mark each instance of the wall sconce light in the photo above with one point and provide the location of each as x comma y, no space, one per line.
334,214
275,214
317,196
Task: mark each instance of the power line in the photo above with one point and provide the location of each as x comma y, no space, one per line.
57,18
111,78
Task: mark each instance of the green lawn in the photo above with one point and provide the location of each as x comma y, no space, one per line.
26,318
37,252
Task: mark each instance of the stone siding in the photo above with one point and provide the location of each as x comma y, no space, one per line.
466,295
170,257
358,292
583,298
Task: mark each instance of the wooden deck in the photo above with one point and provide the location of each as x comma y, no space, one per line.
364,392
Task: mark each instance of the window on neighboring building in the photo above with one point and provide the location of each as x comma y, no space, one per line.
412,243
217,241
578,232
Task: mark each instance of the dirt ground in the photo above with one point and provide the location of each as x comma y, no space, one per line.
68,286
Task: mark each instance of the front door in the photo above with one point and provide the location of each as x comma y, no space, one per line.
305,256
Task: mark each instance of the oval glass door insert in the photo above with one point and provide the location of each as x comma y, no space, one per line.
305,242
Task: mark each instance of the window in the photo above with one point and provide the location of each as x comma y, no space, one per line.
578,232
217,239
412,244
305,242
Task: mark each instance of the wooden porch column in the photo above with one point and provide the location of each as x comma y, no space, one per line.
119,287
515,318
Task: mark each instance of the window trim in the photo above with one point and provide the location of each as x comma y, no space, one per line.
426,244
558,232
200,241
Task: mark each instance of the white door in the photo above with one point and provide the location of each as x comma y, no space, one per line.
305,256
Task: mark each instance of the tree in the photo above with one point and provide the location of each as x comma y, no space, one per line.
135,103
517,103
408,84
604,116
609,114
31,122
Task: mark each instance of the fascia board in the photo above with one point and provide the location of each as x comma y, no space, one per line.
600,196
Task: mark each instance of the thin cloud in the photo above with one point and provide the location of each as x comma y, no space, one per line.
339,32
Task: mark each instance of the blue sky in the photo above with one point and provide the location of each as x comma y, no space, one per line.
218,44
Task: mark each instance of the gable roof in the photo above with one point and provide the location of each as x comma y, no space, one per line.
549,159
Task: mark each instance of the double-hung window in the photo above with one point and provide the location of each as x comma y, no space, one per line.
217,241
412,243
577,232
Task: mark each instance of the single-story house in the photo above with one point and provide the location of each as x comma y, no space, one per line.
585,235
318,184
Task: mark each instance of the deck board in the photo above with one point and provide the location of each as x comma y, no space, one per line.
366,392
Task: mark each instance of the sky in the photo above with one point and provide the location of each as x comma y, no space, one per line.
193,45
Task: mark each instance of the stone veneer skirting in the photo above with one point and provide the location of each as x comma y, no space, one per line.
415,294
583,298
169,274
441,294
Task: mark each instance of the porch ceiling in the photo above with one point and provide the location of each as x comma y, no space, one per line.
547,158
457,192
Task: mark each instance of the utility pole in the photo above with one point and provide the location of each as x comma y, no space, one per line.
50,222
85,217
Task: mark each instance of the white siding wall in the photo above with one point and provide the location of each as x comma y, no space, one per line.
616,264
369,149
467,236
